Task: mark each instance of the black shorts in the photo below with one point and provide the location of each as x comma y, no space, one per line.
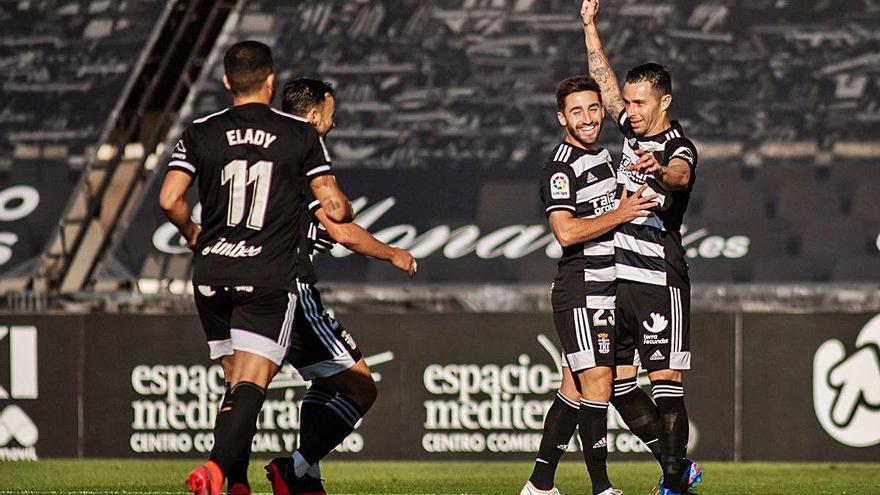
655,321
258,320
587,337
320,346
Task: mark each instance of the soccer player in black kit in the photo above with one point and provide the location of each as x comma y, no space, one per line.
321,349
578,188
653,289
251,163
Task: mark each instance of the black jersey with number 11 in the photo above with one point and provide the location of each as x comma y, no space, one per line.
251,163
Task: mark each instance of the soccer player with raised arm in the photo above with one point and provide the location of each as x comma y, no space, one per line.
252,163
578,188
653,290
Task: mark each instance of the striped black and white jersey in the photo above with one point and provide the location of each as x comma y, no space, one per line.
648,249
252,163
583,183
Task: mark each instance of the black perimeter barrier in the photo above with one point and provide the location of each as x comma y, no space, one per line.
451,386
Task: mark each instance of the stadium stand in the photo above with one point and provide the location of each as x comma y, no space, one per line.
448,110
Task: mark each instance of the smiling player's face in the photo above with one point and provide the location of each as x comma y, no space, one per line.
582,118
646,107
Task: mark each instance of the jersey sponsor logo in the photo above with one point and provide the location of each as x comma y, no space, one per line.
602,204
657,356
559,186
591,178
846,388
232,250
685,154
658,323
256,137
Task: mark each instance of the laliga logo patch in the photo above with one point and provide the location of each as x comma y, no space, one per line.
846,389
559,186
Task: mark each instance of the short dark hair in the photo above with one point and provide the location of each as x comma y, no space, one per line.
303,94
575,84
655,74
247,64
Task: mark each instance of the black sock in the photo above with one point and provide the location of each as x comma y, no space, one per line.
238,472
236,424
559,426
669,396
337,420
638,412
309,414
593,428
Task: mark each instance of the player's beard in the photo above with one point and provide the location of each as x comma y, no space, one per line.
587,140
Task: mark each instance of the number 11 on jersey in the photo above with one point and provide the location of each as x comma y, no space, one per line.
239,175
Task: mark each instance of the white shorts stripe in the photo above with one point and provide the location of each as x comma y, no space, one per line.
310,309
578,324
287,324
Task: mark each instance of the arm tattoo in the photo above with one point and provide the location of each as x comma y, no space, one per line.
332,205
601,71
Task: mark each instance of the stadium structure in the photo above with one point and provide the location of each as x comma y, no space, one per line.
445,116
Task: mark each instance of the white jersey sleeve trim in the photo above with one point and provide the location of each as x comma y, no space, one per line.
318,170
182,164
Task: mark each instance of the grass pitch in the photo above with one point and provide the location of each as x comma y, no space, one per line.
99,477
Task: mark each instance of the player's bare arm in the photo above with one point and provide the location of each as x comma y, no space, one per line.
335,204
570,230
355,238
172,200
675,176
600,68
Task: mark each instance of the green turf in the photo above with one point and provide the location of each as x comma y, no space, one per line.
160,477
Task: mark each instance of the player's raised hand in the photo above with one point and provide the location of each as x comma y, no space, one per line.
402,260
635,205
589,11
647,163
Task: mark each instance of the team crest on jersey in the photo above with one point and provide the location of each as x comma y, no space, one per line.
559,187
604,343
349,340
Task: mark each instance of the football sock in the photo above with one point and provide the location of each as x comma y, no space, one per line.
669,396
238,472
593,428
337,420
312,404
236,424
638,412
559,426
